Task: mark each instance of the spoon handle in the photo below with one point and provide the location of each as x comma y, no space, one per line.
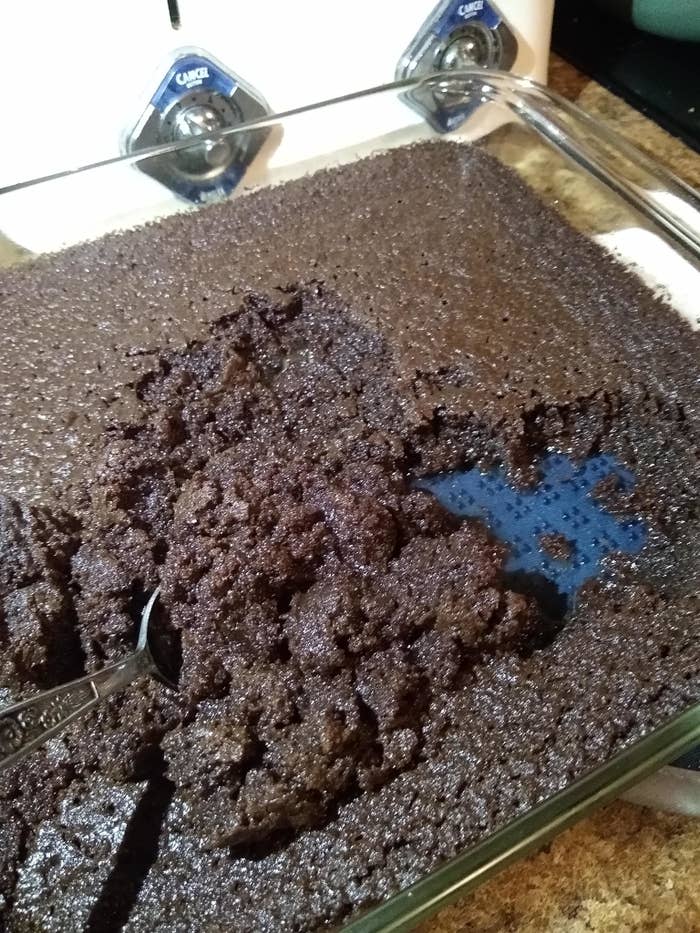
26,725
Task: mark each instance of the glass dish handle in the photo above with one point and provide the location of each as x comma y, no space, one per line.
602,151
26,725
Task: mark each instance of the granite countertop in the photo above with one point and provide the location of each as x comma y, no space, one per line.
626,869
647,135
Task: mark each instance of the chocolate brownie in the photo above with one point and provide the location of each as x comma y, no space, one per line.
235,405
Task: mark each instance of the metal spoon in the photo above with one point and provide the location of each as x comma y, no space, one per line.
26,725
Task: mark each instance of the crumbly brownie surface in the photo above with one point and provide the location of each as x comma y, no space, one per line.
362,693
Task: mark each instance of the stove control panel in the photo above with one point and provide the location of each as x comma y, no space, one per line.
199,97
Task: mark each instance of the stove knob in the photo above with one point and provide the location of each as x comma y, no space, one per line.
456,36
211,155
472,45
459,35
199,98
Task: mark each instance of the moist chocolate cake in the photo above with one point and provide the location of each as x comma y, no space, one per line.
235,404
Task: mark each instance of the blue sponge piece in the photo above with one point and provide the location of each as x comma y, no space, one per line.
561,504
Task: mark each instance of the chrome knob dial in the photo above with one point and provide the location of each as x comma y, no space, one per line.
210,155
472,45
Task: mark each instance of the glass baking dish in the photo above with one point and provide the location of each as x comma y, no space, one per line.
601,184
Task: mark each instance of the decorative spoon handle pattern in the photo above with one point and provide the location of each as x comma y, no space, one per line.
26,725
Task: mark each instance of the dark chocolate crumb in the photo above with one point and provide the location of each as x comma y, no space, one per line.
557,546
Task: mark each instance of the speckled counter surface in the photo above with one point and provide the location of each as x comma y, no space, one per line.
623,870
626,869
648,136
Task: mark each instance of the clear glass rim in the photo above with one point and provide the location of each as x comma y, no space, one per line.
490,81
271,120
563,124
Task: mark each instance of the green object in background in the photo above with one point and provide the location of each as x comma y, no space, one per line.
674,19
